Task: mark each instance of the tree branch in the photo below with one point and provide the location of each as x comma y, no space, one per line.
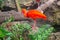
17,16
45,5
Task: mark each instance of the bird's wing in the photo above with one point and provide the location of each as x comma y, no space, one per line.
35,13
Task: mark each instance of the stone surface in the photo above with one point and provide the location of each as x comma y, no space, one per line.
55,36
58,3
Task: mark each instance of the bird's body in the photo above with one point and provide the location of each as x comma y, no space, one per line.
34,14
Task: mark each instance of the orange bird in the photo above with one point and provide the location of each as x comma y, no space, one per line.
33,14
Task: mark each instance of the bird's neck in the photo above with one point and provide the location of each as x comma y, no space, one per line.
25,14
24,11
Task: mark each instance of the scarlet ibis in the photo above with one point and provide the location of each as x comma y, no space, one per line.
33,14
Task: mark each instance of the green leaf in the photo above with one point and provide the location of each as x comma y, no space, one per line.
4,32
8,38
43,32
9,19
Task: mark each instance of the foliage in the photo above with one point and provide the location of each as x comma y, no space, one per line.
4,32
24,31
18,30
1,3
42,33
11,19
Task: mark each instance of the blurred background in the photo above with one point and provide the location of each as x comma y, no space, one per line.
9,7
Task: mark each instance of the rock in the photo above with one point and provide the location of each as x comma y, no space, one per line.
55,36
58,3
52,37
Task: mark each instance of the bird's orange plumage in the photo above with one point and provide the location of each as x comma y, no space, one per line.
34,14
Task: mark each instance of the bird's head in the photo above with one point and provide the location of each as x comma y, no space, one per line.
24,11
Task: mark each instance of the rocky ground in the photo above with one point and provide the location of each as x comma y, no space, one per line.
55,36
